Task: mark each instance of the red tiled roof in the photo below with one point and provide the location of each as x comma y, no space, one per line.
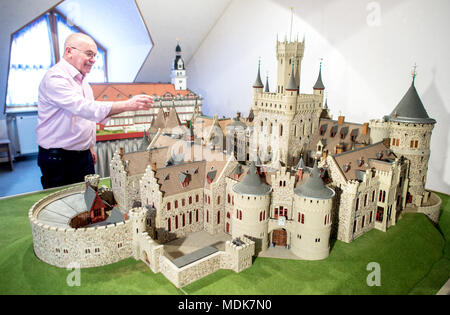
113,90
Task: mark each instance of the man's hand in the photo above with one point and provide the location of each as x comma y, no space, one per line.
94,156
137,102
140,102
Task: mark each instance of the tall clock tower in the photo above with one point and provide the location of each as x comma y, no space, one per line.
179,78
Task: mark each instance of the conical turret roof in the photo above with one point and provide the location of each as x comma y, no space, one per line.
252,184
292,85
266,89
410,109
258,83
314,187
319,84
300,164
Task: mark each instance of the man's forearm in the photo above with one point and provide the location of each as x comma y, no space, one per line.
138,102
119,107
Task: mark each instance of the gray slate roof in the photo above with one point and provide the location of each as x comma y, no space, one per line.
252,184
89,197
300,164
410,109
292,85
266,89
314,187
258,83
236,124
319,84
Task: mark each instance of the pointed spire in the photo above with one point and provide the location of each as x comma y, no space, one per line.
410,109
258,82
292,85
319,84
300,164
414,73
266,89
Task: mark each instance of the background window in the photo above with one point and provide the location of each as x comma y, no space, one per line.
36,48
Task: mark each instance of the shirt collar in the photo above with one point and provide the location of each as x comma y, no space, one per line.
73,72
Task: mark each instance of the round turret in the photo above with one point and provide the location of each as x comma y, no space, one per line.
410,130
312,218
251,209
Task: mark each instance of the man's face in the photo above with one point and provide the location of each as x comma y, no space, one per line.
82,55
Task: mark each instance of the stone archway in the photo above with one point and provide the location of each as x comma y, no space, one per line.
279,237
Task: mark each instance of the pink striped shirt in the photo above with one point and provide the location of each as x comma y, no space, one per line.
67,111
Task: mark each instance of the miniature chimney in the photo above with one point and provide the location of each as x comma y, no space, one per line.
339,148
121,152
300,174
154,166
341,120
365,129
324,154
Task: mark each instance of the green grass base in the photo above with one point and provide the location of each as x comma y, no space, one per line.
413,257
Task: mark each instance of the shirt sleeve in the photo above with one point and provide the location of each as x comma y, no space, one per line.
60,93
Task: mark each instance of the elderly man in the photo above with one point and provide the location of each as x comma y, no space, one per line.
67,115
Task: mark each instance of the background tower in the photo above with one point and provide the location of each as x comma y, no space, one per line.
179,79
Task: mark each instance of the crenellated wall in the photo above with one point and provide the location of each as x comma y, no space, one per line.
89,247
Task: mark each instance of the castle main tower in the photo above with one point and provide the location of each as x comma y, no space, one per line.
284,120
288,54
410,130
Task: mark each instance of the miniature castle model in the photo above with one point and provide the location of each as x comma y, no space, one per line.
287,176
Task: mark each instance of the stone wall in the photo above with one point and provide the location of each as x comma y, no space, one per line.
89,247
236,258
432,209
